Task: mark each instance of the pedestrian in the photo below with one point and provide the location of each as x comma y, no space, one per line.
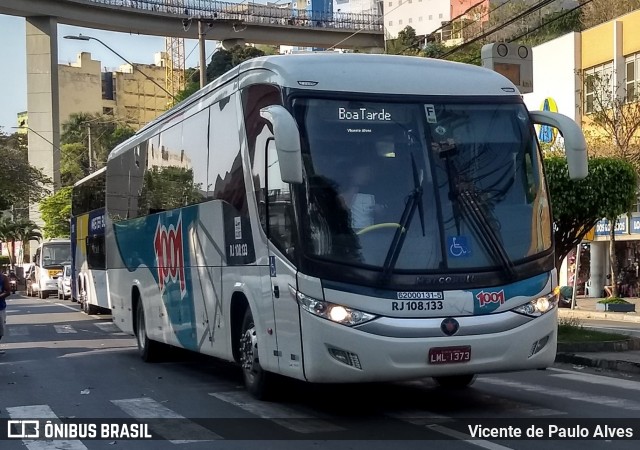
5,291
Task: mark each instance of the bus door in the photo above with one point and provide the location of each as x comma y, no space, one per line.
96,261
282,272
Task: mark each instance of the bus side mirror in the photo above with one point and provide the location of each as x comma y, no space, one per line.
574,143
287,139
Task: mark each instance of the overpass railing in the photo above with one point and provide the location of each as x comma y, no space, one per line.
252,13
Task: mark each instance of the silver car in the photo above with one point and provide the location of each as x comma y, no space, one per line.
64,283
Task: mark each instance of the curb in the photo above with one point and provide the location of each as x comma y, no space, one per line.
578,314
609,364
602,346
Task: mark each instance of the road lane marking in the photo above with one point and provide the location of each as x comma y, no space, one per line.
284,416
146,408
597,379
563,393
43,412
64,329
66,306
108,327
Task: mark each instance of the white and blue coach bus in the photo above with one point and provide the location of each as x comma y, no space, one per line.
340,218
88,267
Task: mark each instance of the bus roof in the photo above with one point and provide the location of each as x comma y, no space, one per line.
366,73
358,73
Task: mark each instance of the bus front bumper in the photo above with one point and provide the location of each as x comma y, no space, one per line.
336,353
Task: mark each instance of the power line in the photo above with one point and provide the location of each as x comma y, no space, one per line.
489,11
542,25
526,12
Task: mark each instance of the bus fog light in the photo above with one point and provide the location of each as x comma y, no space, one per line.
539,345
345,357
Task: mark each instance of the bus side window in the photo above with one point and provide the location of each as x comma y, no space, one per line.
279,205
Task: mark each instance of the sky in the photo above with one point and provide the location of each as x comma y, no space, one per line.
13,78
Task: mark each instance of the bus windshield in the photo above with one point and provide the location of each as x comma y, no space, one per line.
56,254
421,187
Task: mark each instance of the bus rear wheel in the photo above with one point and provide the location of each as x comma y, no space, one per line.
456,381
149,350
256,380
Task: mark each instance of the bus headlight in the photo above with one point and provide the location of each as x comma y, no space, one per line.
333,312
538,306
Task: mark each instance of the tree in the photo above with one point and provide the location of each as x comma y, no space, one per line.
7,236
105,133
596,12
20,182
25,231
612,118
577,205
56,214
17,231
407,43
224,60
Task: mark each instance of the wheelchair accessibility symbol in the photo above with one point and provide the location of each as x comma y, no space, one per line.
458,246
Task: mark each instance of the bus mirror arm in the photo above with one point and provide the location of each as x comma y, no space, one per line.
287,140
574,142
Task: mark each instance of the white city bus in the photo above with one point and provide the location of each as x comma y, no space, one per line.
88,267
234,230
49,260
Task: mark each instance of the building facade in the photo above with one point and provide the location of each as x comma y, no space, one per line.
128,93
561,69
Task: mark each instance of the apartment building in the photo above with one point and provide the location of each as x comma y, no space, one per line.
128,92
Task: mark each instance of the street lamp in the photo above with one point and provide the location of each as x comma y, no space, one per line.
82,37
22,127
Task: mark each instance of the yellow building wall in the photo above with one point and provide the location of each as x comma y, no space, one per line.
80,87
631,33
597,42
139,100
597,45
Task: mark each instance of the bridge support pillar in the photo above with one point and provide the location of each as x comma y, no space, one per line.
43,100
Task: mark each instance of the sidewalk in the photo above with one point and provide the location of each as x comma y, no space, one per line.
621,356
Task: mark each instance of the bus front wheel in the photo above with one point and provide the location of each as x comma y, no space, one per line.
256,380
456,381
148,349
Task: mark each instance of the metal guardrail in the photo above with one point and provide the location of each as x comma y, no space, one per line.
252,13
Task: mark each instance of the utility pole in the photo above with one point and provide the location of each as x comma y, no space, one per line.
90,150
203,62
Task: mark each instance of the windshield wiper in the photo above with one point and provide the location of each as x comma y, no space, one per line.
414,201
482,227
467,202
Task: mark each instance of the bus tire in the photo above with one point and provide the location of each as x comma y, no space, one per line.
456,381
149,350
256,380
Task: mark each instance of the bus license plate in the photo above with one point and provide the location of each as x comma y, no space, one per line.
449,355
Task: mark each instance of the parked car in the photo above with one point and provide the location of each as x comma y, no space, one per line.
29,279
64,283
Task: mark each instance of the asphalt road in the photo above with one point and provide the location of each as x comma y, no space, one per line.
67,367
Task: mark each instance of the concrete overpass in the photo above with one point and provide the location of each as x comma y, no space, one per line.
253,23
177,18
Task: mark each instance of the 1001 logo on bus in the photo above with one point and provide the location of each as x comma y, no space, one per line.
487,298
167,243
